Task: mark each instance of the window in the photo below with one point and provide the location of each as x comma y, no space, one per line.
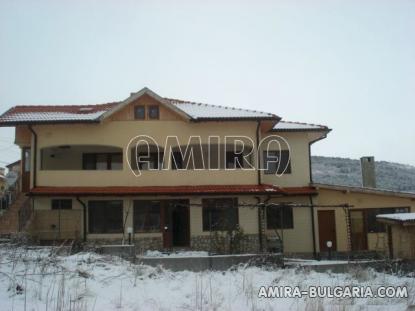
145,162
146,216
102,161
220,214
61,204
373,226
139,112
105,216
153,112
234,160
116,161
277,159
88,161
280,216
176,160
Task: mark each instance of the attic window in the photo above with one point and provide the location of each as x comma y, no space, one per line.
153,112
139,112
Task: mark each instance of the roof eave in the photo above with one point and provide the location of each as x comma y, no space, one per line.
327,130
17,123
276,118
132,193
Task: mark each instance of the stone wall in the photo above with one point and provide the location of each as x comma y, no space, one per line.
249,243
144,244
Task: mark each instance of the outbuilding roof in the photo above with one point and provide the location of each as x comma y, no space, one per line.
397,217
377,191
95,113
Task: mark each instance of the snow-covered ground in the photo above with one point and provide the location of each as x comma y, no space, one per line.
38,279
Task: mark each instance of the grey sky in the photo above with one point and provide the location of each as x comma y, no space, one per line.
346,64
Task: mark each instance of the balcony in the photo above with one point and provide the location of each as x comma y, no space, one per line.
93,165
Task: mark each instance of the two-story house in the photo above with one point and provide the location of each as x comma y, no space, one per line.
164,173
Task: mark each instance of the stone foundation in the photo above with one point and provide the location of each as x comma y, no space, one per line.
145,244
217,244
249,243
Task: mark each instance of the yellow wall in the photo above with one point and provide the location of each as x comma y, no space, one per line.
403,244
300,168
299,239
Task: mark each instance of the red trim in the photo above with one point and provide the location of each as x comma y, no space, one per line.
174,190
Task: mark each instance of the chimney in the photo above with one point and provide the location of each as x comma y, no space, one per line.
368,172
2,171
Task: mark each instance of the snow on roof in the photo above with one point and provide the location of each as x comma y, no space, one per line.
298,126
207,111
401,217
51,114
94,113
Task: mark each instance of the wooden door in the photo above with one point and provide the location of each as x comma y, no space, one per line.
327,230
25,169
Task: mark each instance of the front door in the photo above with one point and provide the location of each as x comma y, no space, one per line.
175,222
26,169
327,230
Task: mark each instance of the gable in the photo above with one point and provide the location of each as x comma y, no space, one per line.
127,113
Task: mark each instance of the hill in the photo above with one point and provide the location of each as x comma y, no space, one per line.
342,171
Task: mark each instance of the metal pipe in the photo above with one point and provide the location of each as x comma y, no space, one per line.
313,226
84,217
258,154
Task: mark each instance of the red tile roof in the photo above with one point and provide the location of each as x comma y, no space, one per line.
78,109
54,114
173,190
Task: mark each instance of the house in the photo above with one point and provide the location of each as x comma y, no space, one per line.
164,173
14,166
